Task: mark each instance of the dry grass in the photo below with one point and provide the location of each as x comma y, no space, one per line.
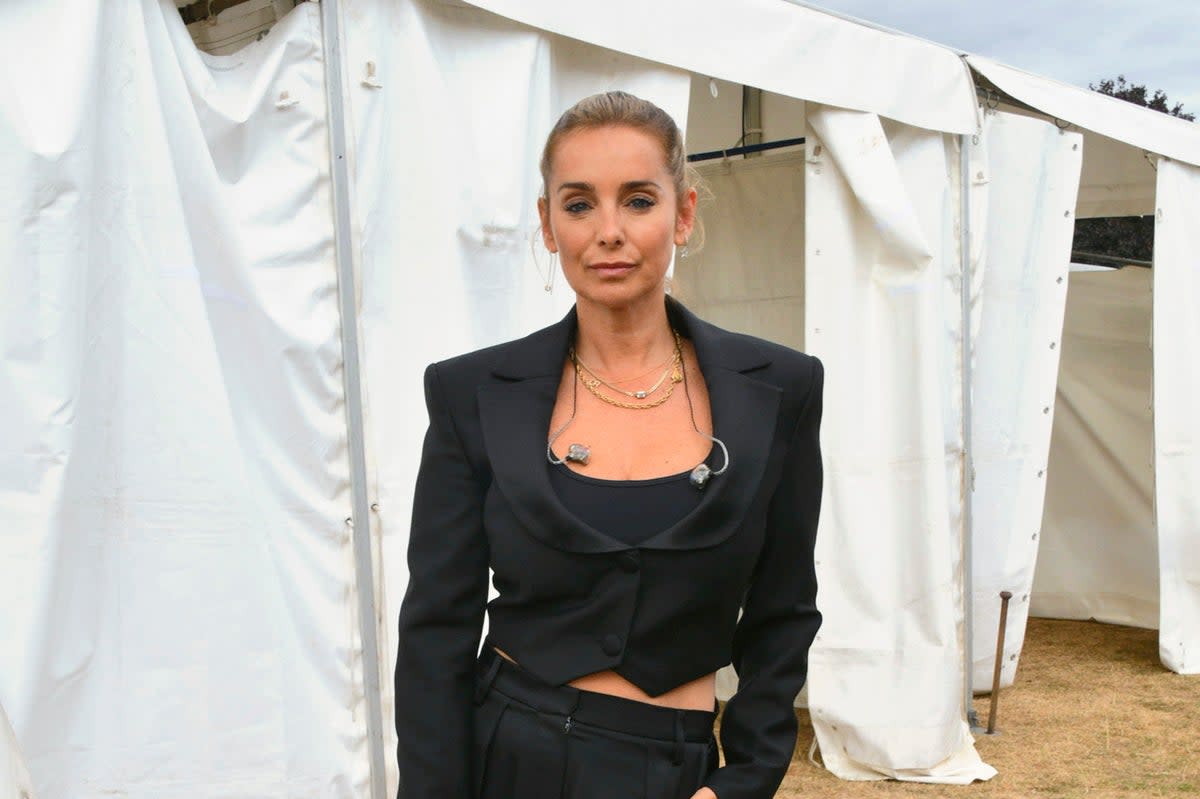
1092,714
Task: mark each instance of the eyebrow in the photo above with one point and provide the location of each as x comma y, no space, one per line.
629,185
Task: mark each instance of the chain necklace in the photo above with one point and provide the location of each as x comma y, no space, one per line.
670,364
592,382
652,369
593,387
580,453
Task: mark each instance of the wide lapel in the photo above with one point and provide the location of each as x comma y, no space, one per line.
515,416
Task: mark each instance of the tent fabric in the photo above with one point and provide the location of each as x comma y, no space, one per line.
1117,119
1024,174
869,167
798,52
14,777
177,576
446,137
1098,556
1176,398
885,670
1117,179
749,276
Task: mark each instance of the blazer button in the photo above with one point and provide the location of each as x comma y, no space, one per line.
611,644
629,562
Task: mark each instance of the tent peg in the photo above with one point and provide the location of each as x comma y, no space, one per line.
991,726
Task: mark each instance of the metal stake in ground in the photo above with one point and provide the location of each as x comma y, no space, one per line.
1004,597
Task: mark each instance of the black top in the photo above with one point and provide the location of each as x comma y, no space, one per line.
627,510
573,600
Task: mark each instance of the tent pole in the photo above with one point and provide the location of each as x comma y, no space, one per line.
968,462
364,565
712,155
752,125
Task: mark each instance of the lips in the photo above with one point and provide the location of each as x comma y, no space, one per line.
611,268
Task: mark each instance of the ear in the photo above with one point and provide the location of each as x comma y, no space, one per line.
547,234
685,217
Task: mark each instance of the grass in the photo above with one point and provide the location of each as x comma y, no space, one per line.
1092,715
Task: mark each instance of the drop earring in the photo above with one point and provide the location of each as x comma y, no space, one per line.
549,284
547,275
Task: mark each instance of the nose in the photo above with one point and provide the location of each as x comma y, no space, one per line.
610,232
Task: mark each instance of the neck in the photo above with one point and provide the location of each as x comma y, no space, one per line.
619,341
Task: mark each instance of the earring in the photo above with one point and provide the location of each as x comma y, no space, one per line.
683,251
549,285
548,275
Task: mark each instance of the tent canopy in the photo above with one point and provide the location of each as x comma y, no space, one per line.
1117,119
799,52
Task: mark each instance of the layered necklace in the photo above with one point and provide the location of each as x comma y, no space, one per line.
593,381
674,369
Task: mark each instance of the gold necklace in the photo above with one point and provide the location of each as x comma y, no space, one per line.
593,383
597,380
665,365
592,386
672,367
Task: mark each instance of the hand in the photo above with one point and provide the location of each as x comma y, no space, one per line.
704,793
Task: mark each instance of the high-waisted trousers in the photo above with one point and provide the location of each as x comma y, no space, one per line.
539,741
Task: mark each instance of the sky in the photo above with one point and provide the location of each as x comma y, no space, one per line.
1155,42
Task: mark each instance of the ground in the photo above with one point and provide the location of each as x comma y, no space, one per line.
1092,714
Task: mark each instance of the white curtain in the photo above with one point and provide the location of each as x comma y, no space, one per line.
1097,558
749,276
1024,176
1176,401
176,576
883,311
447,136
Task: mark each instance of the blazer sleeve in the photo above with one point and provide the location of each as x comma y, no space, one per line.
441,617
778,624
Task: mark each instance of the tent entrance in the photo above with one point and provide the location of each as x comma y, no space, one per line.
1098,557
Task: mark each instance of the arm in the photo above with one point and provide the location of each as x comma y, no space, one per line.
442,614
778,624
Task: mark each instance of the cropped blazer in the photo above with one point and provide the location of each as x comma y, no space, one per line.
572,600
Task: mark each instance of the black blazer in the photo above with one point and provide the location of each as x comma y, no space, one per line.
574,601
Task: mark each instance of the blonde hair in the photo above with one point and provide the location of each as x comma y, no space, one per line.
617,108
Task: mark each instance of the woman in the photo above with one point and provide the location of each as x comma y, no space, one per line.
634,476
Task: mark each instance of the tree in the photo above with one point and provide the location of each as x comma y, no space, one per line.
1136,93
1130,237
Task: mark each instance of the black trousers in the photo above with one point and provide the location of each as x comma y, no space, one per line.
539,741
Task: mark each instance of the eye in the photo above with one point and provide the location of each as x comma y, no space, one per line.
642,203
576,207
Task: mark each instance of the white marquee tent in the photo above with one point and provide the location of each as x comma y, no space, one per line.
221,276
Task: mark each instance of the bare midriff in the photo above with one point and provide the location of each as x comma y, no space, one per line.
699,694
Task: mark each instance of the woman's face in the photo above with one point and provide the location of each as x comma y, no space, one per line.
612,215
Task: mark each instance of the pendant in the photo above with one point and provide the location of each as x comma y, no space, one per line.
700,475
578,453
639,394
